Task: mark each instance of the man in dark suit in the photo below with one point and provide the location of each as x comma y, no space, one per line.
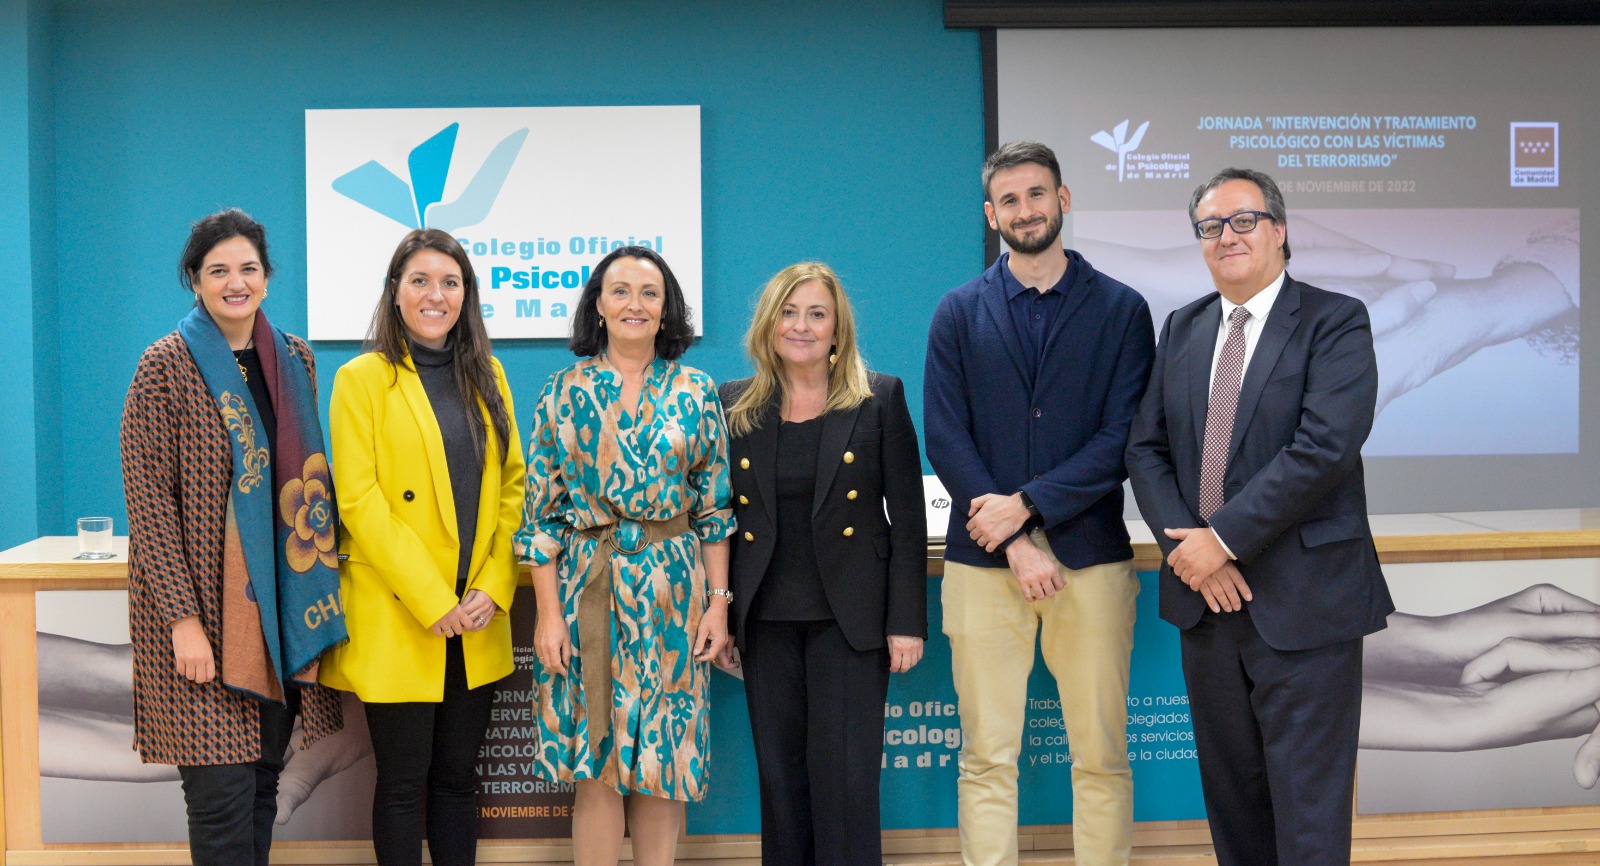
1034,372
1246,463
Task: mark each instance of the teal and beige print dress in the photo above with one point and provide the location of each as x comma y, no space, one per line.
592,462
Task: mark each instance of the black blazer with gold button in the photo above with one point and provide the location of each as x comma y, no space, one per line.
873,564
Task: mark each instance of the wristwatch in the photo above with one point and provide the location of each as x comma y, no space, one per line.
1027,502
725,593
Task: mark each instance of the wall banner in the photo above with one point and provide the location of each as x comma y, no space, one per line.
536,196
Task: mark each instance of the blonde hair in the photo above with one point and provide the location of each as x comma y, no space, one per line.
847,376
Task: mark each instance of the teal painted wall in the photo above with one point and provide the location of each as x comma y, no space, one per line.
48,407
21,133
850,132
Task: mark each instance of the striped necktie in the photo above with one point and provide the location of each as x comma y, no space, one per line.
1219,414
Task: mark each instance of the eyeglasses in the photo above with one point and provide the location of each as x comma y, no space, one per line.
1243,223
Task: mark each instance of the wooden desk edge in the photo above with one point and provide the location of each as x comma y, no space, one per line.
1392,549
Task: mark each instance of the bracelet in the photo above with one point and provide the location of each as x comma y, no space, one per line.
725,593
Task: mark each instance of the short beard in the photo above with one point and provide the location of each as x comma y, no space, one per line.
1051,235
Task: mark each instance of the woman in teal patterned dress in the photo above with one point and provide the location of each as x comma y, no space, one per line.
626,525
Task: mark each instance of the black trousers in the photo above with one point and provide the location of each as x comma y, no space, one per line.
816,712
427,762
232,806
1276,733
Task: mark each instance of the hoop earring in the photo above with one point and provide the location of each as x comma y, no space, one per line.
263,294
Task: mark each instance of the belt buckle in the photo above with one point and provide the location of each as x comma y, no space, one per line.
644,536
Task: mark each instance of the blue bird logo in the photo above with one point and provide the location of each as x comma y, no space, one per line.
419,203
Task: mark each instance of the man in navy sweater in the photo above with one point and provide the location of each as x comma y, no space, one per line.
1034,372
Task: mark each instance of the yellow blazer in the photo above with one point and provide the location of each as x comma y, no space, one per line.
399,548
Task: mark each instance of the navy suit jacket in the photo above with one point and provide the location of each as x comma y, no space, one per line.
995,425
1295,512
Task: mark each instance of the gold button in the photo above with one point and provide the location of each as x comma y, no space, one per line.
744,500
849,531
849,457
749,537
744,463
850,495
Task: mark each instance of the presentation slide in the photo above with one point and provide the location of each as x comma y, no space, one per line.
1437,174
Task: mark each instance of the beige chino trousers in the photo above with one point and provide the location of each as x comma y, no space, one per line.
1085,633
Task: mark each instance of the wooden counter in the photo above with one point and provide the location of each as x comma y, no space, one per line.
1560,533
50,560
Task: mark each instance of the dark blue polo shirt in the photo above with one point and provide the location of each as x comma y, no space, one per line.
1034,312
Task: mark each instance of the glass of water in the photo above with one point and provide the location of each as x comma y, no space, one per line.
94,538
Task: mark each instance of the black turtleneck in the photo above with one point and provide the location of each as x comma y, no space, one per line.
436,367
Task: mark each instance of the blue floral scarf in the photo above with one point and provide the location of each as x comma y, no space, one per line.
281,607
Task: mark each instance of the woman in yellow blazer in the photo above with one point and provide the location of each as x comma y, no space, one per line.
430,492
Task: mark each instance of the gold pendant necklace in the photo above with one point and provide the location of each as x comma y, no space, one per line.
242,371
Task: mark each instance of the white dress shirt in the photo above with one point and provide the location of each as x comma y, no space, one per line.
1259,306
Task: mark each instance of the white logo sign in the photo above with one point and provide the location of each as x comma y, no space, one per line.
536,196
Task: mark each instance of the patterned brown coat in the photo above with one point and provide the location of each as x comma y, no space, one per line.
176,470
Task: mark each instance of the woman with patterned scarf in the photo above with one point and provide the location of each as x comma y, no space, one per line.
233,585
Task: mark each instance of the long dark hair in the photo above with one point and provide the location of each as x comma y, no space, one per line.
677,331
469,340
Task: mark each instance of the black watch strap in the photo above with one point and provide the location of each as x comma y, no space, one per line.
1027,502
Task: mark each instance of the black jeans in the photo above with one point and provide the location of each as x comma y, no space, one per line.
232,806
427,754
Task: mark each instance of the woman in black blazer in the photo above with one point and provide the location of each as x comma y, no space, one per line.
829,593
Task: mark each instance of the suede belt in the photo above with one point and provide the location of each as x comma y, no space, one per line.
594,616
